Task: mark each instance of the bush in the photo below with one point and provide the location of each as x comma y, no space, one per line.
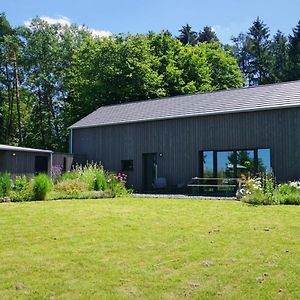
21,183
291,199
100,181
116,186
5,184
92,174
22,190
41,185
265,191
55,195
70,175
20,196
71,187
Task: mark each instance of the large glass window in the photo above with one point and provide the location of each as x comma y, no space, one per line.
225,164
264,161
235,163
208,164
245,163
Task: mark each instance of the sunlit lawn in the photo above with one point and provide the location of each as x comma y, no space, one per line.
149,249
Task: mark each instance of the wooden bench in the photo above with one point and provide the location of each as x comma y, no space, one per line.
212,186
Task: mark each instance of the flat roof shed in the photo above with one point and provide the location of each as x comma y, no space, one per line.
22,160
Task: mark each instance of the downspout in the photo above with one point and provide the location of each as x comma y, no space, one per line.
71,141
51,164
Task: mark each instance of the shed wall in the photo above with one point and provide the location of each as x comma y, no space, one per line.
180,141
20,162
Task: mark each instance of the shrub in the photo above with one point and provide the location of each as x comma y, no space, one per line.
71,186
5,184
291,199
100,181
20,196
22,190
92,174
41,185
288,193
21,183
265,191
55,195
116,186
70,175
259,191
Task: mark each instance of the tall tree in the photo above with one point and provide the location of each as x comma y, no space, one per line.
279,51
260,59
225,72
207,35
11,43
187,35
241,50
294,54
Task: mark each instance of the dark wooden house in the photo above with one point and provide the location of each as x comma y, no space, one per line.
209,135
25,161
29,161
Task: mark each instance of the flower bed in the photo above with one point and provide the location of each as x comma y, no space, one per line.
84,182
265,191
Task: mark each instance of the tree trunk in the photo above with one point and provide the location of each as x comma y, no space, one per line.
41,117
50,105
10,105
17,90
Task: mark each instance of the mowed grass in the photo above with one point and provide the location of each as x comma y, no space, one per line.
134,248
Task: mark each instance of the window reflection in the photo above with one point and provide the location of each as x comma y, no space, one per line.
225,161
208,164
236,163
264,160
245,163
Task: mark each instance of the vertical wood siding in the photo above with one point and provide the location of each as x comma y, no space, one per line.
180,141
20,163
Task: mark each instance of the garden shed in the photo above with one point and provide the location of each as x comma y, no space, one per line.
208,135
27,161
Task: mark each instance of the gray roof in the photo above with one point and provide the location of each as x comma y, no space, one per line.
264,97
14,148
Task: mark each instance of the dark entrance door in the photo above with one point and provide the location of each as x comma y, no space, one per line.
41,164
150,170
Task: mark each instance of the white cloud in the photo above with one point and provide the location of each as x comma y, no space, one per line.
99,33
65,21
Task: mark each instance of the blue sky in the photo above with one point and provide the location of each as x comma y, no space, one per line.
228,18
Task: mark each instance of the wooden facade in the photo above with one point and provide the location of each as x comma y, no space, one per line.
177,143
22,162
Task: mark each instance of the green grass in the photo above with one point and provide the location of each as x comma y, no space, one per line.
149,249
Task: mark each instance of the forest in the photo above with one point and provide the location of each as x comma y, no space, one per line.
52,75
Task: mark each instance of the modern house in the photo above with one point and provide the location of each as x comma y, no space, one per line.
209,135
29,161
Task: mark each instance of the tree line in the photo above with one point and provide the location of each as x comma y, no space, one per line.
262,58
51,75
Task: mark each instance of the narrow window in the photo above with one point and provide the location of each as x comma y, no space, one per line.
208,164
264,161
245,164
127,165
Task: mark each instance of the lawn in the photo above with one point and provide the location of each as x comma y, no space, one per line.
148,249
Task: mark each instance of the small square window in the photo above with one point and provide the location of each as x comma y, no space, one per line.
127,165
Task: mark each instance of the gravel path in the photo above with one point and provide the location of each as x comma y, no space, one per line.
181,196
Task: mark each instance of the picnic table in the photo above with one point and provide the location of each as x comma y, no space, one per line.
199,185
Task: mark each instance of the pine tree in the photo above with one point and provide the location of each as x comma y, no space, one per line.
241,50
260,57
294,54
279,51
207,35
187,35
